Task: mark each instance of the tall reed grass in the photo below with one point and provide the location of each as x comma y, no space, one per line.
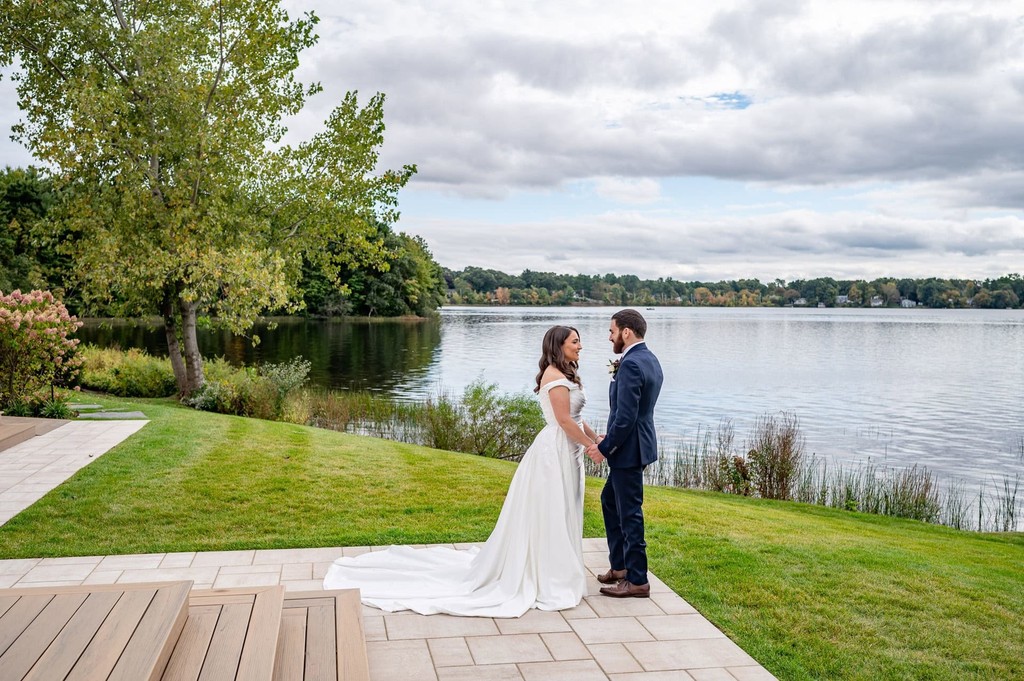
775,467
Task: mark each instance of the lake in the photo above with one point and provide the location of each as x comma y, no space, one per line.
940,388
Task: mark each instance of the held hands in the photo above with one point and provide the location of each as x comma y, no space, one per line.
594,453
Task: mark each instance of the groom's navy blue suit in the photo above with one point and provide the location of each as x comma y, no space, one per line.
629,445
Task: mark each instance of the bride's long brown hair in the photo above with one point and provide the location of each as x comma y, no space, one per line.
551,354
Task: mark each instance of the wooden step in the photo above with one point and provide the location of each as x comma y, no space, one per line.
16,429
322,638
117,632
229,634
12,434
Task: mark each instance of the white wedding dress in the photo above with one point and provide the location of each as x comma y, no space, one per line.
533,558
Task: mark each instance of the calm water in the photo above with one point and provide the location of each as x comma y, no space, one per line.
940,388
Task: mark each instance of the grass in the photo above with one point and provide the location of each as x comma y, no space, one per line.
810,592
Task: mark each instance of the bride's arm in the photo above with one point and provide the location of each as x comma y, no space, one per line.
589,431
559,396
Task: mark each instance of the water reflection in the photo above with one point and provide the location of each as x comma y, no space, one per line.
350,354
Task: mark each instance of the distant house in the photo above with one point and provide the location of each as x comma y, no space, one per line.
821,304
876,301
842,300
907,302
800,301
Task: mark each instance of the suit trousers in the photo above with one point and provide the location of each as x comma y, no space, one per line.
622,504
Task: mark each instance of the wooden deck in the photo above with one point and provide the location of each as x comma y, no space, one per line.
17,429
146,632
322,638
119,632
229,634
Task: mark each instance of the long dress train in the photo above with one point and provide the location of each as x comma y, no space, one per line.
533,558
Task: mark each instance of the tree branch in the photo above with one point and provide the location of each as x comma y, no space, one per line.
116,6
27,42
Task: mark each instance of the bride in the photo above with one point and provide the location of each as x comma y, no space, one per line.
534,556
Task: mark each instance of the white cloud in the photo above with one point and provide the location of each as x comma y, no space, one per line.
628,190
912,103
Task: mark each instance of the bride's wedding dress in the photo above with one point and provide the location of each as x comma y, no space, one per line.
533,558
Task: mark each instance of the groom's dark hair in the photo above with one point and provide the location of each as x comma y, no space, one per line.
632,320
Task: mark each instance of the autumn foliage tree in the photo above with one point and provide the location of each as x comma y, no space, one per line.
162,123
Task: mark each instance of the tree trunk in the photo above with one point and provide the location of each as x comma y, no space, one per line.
193,359
171,329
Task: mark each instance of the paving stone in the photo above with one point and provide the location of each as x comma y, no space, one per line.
437,626
533,622
450,652
614,658
677,627
249,569
303,585
112,415
606,606
574,670
711,674
178,560
672,604
373,629
17,566
667,655
566,646
247,579
610,630
293,571
752,673
492,672
512,648
223,558
131,562
58,573
406,660
678,675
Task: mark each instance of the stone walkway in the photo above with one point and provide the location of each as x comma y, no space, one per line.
654,639
30,469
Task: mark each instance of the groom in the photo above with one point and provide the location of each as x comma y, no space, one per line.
629,446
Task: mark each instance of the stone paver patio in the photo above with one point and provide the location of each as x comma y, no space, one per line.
654,639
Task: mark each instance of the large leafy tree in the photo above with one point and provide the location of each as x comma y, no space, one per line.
163,122
410,283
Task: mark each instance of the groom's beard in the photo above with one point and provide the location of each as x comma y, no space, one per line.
618,346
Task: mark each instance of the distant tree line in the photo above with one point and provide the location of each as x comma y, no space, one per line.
406,280
477,286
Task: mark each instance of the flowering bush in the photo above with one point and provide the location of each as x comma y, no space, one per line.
35,348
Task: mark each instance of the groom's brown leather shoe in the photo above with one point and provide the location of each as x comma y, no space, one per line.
626,589
611,576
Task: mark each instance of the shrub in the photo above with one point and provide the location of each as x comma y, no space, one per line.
36,350
775,456
493,424
128,373
258,392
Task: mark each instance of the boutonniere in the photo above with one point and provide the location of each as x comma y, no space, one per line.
613,366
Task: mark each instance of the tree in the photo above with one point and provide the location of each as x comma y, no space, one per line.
25,199
163,122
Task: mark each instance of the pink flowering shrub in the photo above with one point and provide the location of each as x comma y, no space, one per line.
36,349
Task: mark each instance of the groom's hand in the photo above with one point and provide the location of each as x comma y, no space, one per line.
594,453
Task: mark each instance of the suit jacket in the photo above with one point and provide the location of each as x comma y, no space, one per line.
630,440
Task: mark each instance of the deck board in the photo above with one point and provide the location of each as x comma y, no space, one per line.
229,634
67,647
90,632
324,631
23,653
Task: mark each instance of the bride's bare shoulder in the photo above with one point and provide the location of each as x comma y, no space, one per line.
552,374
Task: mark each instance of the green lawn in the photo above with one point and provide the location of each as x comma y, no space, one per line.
812,593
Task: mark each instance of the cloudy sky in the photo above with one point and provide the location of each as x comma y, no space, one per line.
741,138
